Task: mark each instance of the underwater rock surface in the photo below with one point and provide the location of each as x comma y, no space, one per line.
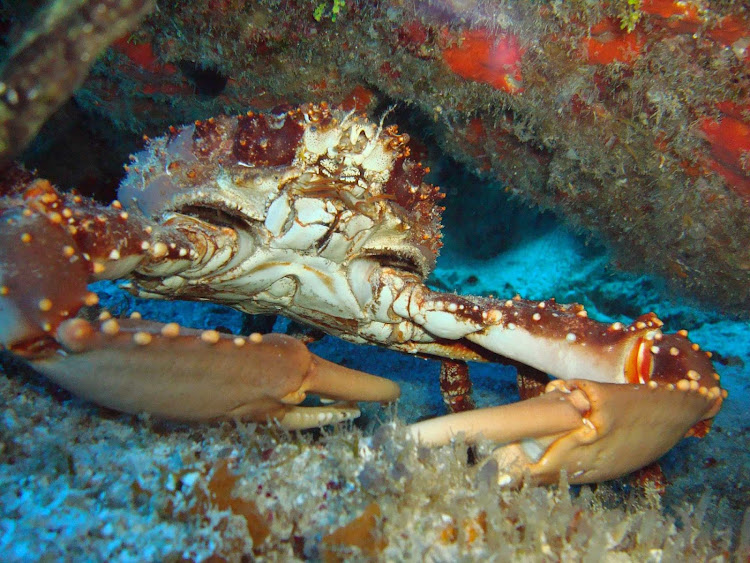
629,119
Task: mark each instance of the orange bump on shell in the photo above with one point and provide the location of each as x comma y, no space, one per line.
45,304
135,315
256,338
142,338
79,330
170,330
110,327
91,299
210,336
159,250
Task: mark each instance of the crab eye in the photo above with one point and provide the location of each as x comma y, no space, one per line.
215,216
401,263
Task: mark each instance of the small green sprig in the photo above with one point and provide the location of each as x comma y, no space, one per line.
324,9
630,15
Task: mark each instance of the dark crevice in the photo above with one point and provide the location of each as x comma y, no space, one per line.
207,81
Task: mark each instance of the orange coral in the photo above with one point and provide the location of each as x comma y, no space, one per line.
358,99
491,59
142,54
221,487
729,137
679,16
362,532
608,43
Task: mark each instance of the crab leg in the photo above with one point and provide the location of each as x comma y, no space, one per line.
217,376
637,380
594,431
52,245
556,339
644,390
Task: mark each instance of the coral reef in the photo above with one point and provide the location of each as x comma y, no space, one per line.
81,484
628,119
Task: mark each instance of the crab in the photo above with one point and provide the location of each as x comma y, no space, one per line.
322,216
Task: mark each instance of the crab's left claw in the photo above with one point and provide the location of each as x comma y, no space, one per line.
177,373
594,431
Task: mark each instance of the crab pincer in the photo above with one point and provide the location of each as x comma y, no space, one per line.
595,431
185,374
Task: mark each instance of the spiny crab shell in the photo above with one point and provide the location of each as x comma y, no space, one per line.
314,201
324,217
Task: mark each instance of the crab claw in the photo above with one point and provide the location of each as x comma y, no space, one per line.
594,431
184,374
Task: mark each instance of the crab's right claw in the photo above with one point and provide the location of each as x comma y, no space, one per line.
594,431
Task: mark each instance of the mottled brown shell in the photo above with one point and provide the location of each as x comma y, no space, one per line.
321,145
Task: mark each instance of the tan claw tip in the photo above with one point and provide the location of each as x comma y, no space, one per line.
299,418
